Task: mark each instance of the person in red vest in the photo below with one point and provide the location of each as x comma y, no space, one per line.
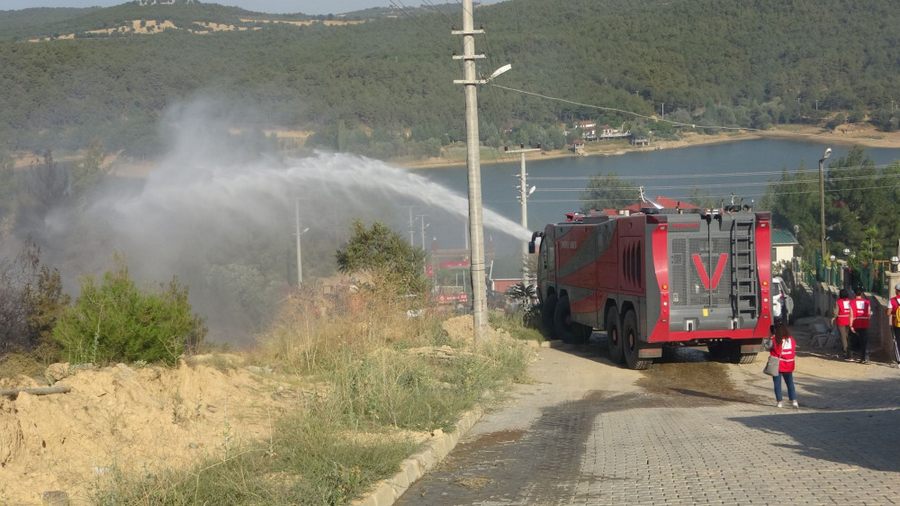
785,348
894,316
862,313
843,317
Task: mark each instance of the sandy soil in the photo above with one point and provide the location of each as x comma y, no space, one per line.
129,419
136,419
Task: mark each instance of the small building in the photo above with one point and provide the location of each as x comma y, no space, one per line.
639,140
588,129
578,147
503,284
783,243
608,132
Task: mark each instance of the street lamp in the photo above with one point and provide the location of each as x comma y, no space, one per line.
822,196
473,164
524,193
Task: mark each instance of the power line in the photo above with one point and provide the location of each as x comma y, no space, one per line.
726,185
707,174
688,197
620,111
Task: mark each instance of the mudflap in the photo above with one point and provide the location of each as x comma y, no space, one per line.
650,353
751,348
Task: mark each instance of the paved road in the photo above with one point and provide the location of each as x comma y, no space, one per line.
685,432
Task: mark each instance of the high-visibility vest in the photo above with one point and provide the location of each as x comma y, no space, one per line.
895,311
843,316
786,352
861,311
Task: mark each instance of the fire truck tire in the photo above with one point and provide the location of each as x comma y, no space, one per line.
613,336
747,358
716,351
630,343
564,328
733,354
547,310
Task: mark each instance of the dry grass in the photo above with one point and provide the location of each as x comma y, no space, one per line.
385,374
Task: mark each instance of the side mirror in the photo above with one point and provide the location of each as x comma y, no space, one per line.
531,243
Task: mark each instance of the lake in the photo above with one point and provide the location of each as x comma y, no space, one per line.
743,167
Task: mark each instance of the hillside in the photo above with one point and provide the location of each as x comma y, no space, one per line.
384,87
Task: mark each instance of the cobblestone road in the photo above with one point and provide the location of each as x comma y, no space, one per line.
589,433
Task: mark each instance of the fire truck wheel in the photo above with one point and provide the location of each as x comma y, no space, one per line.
747,358
630,343
613,337
563,326
716,351
547,310
735,356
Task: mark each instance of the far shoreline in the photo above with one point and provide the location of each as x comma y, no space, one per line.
847,135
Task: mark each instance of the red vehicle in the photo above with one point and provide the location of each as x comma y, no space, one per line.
659,277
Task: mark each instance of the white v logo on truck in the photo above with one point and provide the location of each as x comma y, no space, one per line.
704,276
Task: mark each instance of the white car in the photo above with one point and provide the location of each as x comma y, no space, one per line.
782,303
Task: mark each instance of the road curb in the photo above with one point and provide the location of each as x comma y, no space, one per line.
389,490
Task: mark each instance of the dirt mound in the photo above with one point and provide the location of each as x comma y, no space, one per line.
132,418
462,329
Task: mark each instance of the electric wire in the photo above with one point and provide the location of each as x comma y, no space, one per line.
621,111
726,185
689,197
706,174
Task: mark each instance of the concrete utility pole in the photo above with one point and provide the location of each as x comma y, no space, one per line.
299,233
473,161
524,192
411,241
822,199
422,229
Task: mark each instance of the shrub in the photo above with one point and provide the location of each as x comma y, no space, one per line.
383,253
115,321
31,301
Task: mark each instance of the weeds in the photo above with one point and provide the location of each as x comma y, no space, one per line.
307,461
384,371
513,324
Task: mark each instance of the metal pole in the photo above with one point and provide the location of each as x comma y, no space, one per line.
822,200
476,230
523,193
523,201
822,205
299,257
411,240
422,231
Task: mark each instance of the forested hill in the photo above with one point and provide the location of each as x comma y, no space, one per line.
366,86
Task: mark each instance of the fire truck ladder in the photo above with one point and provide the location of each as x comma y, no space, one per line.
744,296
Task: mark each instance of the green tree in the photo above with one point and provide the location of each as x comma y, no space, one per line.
8,187
89,170
608,191
387,256
114,320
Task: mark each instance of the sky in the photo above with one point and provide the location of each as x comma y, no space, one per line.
273,6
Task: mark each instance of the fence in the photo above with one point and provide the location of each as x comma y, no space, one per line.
873,277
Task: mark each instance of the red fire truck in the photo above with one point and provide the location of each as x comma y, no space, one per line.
659,277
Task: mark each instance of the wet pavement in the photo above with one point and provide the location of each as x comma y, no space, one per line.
687,431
